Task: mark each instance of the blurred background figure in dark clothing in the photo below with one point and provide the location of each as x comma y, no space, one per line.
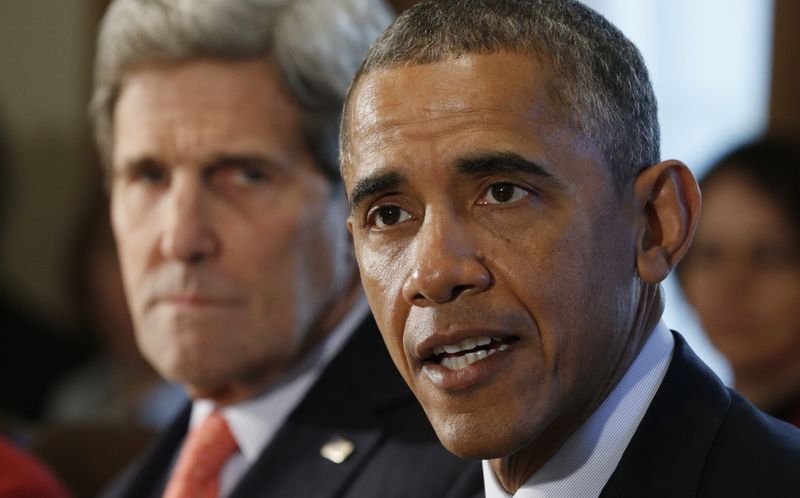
742,275
78,391
33,353
107,409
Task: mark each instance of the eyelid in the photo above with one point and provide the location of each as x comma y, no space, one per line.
367,206
529,191
371,214
239,170
140,171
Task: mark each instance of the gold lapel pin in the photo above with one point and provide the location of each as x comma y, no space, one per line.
337,449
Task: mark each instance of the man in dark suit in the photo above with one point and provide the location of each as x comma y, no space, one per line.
218,121
512,221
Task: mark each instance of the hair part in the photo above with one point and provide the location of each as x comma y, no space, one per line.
315,44
599,82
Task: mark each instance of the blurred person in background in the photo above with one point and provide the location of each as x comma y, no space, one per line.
108,408
21,476
218,122
742,275
34,352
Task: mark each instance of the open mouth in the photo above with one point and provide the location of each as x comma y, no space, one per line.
465,353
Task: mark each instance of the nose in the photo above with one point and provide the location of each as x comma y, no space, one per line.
187,235
447,264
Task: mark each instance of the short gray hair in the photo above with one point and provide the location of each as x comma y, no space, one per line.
316,45
599,82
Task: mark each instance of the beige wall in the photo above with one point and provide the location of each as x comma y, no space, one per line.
43,87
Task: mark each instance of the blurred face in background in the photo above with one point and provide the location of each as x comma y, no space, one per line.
232,241
742,276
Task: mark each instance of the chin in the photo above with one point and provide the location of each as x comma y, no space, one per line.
477,448
196,378
476,440
220,394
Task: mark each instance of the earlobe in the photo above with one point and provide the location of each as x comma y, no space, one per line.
668,200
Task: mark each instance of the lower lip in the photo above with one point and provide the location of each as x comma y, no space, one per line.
479,372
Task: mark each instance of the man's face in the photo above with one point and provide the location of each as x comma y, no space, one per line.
743,278
231,240
496,254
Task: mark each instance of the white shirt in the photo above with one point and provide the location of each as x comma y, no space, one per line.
255,422
585,462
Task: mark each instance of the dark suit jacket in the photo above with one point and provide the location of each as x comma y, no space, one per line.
361,397
700,439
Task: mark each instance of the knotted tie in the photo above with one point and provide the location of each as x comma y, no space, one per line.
207,447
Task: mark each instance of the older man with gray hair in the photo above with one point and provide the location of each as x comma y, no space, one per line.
218,123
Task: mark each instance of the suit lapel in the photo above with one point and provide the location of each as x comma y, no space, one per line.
680,426
344,404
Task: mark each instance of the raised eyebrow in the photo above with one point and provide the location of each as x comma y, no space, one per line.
504,162
374,184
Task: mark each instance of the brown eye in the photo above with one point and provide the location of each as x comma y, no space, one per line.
147,171
502,193
386,216
251,174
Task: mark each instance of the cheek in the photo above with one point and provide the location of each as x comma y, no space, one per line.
578,290
323,250
134,248
382,274
382,278
694,288
315,223
265,249
549,280
777,304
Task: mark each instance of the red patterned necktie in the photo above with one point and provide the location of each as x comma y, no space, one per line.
207,447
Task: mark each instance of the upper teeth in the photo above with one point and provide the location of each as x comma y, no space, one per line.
465,345
467,359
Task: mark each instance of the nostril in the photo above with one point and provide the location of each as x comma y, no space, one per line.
195,257
443,297
459,289
445,278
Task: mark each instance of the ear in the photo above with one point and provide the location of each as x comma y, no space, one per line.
668,203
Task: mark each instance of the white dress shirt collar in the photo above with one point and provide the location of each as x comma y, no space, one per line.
583,465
